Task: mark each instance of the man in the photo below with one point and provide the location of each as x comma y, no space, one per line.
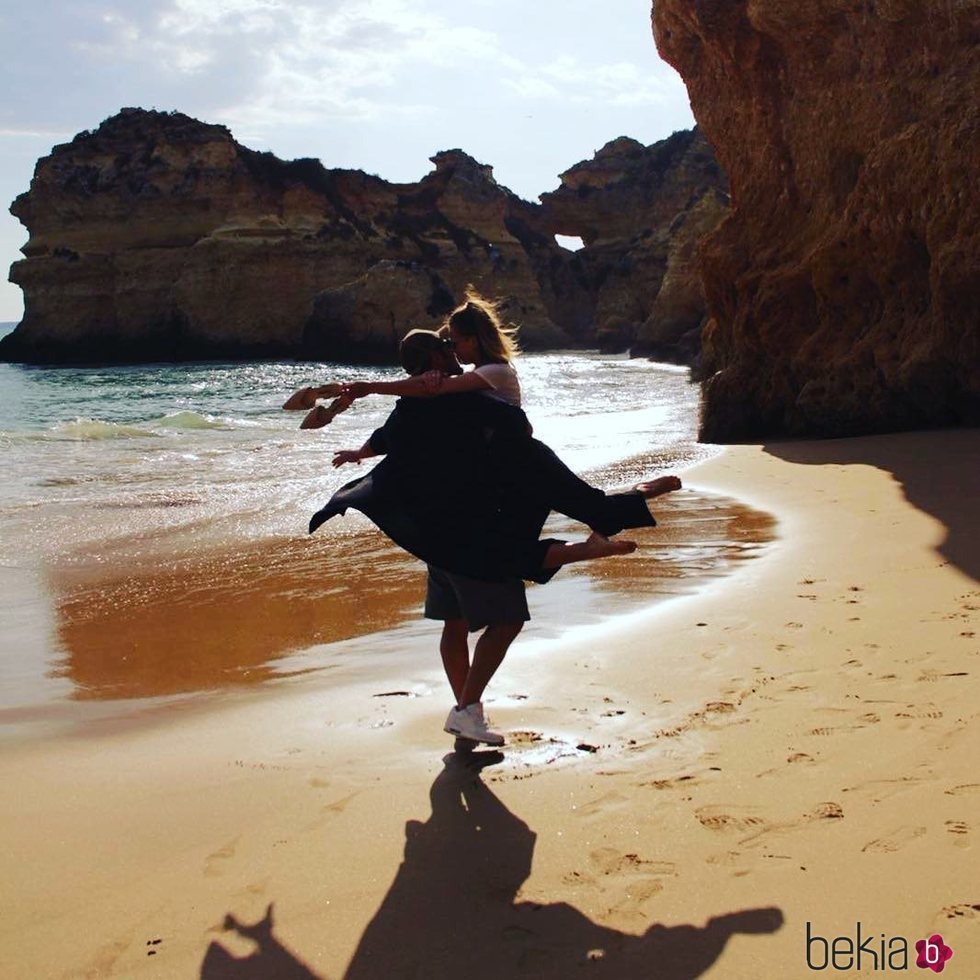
465,488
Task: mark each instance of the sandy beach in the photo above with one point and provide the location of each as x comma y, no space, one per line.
688,791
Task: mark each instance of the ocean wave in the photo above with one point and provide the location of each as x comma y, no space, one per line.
191,420
84,430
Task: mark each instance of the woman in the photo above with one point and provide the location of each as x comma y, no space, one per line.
476,335
499,535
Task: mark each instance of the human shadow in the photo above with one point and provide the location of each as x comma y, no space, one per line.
938,471
452,908
269,961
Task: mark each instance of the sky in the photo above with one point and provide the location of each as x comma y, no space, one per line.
528,86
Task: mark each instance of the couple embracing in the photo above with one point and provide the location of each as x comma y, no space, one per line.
465,487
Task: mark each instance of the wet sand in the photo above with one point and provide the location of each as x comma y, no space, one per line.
686,788
223,621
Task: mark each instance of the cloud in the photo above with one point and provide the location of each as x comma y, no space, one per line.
266,65
17,133
621,83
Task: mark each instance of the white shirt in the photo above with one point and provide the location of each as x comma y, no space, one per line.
504,383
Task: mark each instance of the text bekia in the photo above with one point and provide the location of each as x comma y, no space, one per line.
871,951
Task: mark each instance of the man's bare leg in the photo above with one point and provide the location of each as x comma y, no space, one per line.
455,649
489,654
658,487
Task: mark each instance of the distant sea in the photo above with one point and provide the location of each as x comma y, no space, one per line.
153,521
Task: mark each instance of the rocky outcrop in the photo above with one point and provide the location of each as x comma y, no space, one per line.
160,237
639,210
843,288
373,313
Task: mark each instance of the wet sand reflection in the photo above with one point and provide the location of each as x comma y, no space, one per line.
225,619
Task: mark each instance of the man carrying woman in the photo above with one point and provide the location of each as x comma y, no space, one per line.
466,488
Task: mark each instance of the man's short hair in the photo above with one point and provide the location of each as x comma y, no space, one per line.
417,348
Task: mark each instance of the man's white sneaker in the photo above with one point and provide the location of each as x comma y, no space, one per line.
469,723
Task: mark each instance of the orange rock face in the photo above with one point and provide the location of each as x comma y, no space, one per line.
640,211
159,237
843,290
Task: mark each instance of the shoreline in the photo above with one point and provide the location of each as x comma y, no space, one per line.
205,626
803,752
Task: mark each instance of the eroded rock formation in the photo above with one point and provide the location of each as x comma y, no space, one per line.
159,237
843,290
640,210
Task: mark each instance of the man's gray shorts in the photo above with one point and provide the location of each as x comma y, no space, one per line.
481,604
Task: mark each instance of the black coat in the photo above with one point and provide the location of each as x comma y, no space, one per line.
464,487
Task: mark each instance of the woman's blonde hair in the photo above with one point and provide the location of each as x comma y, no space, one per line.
478,317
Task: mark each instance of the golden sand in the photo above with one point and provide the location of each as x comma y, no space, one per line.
685,788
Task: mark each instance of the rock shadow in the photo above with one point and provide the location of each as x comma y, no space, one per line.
939,472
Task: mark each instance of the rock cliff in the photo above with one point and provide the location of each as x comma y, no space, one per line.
641,210
159,237
843,288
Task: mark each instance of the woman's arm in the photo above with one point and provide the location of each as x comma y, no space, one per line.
421,386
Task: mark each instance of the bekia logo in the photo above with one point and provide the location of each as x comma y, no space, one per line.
866,951
933,953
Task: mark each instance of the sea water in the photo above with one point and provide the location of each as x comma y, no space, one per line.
153,519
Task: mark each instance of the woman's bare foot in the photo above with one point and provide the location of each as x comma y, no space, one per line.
323,415
306,398
599,546
658,487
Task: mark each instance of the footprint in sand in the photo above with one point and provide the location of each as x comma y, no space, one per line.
214,863
608,860
104,961
964,910
894,841
883,789
635,879
963,789
724,818
959,829
670,783
827,811
601,806
923,711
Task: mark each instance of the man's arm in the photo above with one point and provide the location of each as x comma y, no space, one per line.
366,451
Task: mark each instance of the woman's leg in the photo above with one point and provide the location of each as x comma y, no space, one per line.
595,546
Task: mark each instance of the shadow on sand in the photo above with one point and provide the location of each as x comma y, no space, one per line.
451,911
939,473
